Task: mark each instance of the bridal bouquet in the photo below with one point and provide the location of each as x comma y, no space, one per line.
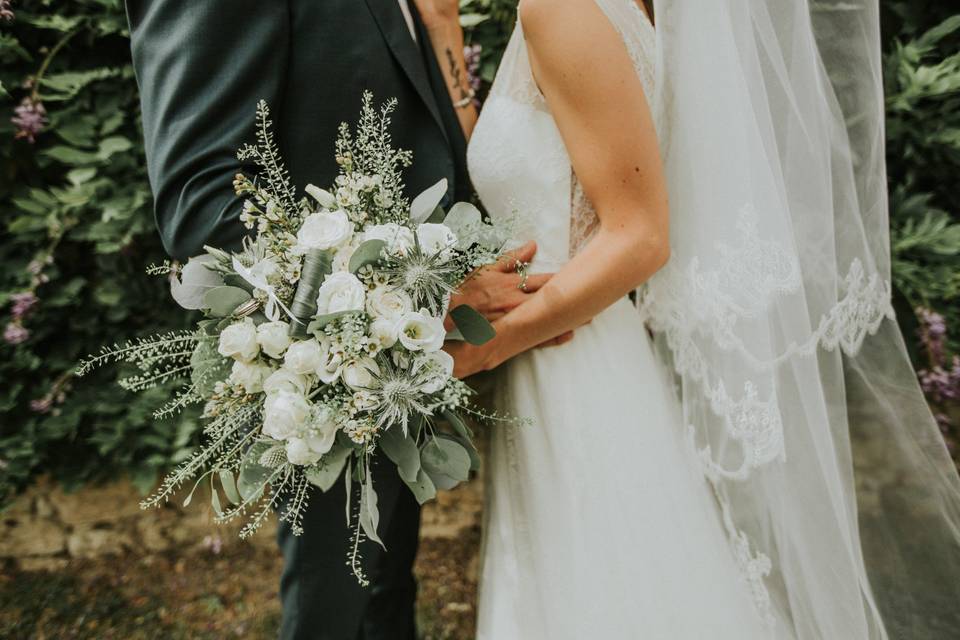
321,342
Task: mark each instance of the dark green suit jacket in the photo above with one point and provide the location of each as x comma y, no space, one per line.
202,65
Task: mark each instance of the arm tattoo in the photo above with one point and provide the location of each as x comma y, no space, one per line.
454,71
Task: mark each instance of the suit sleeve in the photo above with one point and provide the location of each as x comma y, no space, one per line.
202,66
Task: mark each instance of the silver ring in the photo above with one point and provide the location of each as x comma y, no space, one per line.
521,269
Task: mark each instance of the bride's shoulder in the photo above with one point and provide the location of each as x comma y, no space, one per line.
547,17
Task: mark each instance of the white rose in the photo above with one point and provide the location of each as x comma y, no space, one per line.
285,380
389,303
419,331
385,332
331,362
440,364
341,291
324,230
299,452
399,239
323,430
359,374
274,338
436,238
303,357
239,341
285,414
250,376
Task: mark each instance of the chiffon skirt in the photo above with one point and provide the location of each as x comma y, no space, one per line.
599,523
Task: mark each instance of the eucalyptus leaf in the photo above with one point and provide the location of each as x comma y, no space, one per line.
236,280
253,476
370,252
369,513
207,366
326,473
440,456
466,221
423,488
402,451
196,279
424,204
223,301
215,500
468,447
474,328
229,486
458,424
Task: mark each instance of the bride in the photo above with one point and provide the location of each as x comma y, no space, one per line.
702,484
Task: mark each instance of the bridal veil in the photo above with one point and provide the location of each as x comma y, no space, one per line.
831,477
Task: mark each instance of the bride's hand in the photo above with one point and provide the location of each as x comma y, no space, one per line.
494,291
469,359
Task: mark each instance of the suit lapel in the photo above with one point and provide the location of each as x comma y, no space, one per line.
394,28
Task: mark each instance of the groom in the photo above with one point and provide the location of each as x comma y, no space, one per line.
202,65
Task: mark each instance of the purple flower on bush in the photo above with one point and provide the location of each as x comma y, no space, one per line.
471,54
23,303
933,333
940,383
6,12
30,118
41,405
15,333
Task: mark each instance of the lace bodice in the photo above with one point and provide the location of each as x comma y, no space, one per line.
518,162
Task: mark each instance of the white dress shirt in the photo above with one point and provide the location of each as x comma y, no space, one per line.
405,9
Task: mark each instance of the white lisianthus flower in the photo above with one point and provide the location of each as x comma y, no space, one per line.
436,238
303,357
440,364
274,338
300,453
239,341
389,303
322,432
324,230
250,376
265,270
331,362
385,332
285,414
341,291
341,259
419,331
285,380
359,374
399,239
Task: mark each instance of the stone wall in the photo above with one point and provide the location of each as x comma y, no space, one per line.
46,526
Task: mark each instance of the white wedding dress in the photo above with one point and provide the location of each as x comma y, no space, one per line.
599,521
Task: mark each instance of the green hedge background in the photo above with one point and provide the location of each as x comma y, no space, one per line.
75,210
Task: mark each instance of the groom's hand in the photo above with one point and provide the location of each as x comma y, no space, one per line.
495,290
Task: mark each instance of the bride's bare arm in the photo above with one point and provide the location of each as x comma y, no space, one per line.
582,66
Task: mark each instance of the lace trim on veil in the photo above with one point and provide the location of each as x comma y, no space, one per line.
751,420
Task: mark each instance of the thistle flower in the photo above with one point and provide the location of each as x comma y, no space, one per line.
30,118
397,393
426,278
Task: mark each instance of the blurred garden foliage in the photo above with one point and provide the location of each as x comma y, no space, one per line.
75,210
